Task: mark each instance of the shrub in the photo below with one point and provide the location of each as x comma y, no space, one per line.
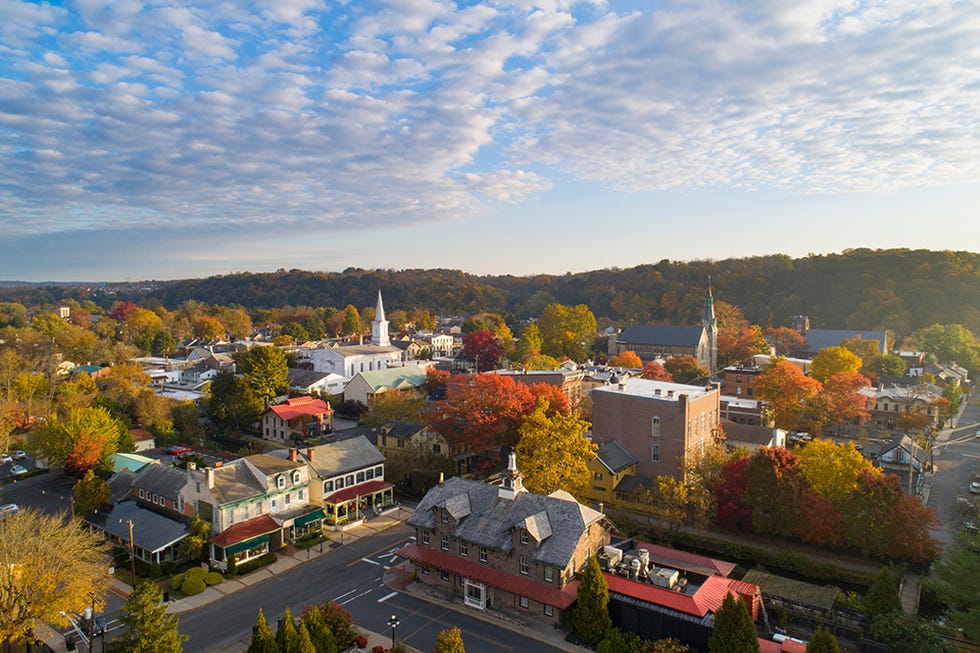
257,563
156,571
168,567
192,586
212,578
197,572
177,581
232,567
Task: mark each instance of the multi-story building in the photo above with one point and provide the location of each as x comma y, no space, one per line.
302,417
503,547
569,381
659,423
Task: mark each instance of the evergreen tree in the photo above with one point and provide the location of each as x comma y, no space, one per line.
883,596
263,641
303,642
320,634
589,619
149,629
822,642
733,631
450,641
287,637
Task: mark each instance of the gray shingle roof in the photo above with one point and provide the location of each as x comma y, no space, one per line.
299,378
615,457
558,520
235,482
817,339
163,480
338,457
662,334
151,531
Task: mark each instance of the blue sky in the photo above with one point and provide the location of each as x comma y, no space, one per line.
166,139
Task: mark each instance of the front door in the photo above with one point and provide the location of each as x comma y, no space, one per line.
475,595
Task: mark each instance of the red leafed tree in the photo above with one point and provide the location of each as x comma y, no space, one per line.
435,380
557,400
819,521
84,457
785,388
122,310
481,410
656,372
908,532
483,348
775,485
740,344
729,491
847,404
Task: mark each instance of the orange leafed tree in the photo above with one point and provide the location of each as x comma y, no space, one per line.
557,400
786,389
783,339
626,359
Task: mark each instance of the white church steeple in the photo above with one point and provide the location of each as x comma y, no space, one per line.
379,327
513,482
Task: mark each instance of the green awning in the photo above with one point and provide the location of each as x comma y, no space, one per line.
245,545
303,520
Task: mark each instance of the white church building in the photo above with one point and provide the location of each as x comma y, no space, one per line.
350,360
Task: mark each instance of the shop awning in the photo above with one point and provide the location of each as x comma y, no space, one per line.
238,547
303,520
355,491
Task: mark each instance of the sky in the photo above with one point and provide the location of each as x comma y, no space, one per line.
164,139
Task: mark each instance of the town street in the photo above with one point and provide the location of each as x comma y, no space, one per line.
352,576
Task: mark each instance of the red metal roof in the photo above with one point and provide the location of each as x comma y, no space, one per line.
360,490
300,406
788,646
683,560
520,585
707,598
245,530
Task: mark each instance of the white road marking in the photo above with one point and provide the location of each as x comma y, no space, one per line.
345,594
356,597
370,561
386,597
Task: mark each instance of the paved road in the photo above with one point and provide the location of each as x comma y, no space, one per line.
49,492
351,576
956,464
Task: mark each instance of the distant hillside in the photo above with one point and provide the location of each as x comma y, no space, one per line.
896,289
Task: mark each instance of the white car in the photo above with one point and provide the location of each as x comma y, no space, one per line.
9,509
975,487
18,454
6,458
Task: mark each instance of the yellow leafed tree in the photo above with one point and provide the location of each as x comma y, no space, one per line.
553,453
832,469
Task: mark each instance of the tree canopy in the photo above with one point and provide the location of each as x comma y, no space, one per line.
148,627
553,453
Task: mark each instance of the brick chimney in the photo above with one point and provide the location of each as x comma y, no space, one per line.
309,454
292,454
209,478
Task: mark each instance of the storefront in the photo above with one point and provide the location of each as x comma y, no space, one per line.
352,503
246,540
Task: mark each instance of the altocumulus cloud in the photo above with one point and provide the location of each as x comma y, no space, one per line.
160,114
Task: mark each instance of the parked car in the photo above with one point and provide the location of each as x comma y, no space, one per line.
18,454
17,470
9,509
975,487
179,450
6,458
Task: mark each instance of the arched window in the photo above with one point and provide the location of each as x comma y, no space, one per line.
280,481
295,476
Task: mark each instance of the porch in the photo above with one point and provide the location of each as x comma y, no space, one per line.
354,503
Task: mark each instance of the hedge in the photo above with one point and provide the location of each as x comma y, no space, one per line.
213,578
192,586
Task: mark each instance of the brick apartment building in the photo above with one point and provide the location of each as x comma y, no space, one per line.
657,422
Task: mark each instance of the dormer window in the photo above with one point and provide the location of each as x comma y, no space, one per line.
295,476
281,482
524,537
445,516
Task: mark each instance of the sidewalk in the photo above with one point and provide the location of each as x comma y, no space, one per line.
402,579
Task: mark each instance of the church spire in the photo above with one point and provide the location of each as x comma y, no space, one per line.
379,327
710,327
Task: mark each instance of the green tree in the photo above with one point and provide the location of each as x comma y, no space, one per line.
231,401
589,619
351,324
554,452
529,344
907,633
193,546
149,629
958,573
449,641
950,342
566,331
882,597
953,393
733,630
396,405
50,568
265,370
304,644
90,493
81,441
320,634
822,642
287,636
263,641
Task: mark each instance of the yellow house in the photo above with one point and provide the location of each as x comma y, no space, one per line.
611,464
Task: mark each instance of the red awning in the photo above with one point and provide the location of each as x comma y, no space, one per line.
245,530
560,598
360,490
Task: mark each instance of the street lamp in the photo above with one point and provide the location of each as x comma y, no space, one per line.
393,623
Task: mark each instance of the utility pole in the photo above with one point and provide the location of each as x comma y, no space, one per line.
132,553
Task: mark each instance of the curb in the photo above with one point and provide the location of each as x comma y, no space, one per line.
395,579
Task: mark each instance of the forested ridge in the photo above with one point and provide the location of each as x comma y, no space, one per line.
898,289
